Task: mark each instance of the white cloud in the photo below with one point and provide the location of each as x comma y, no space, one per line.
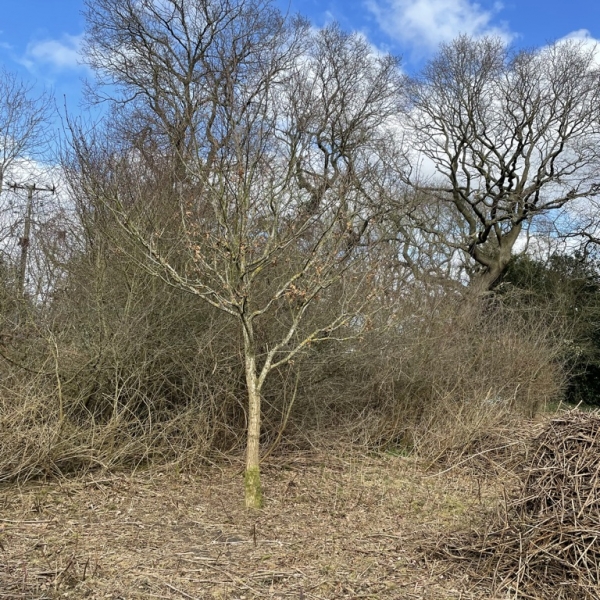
579,34
584,37
60,54
426,23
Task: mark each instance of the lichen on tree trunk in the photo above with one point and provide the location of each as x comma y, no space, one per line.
254,497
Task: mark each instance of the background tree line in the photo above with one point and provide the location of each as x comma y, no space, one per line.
274,233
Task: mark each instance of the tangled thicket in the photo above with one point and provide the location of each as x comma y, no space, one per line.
160,381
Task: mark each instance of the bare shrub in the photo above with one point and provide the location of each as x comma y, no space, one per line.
450,371
37,443
120,371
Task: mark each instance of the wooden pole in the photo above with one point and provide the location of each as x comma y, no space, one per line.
25,240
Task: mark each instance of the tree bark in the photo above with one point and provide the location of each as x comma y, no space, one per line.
496,264
253,488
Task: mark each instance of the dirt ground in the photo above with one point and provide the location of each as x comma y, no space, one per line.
333,527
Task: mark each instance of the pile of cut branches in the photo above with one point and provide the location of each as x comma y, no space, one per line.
545,542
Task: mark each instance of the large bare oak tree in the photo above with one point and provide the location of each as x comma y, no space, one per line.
512,136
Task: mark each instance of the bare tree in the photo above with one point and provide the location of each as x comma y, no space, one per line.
24,122
168,62
279,137
512,136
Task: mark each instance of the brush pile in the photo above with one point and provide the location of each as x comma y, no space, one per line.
545,542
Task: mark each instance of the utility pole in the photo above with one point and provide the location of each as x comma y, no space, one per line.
24,241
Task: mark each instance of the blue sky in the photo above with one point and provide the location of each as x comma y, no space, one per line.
40,38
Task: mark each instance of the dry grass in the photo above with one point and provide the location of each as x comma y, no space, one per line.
334,526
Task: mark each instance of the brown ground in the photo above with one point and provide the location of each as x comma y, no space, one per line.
332,527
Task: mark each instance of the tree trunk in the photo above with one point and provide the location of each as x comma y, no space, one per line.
496,265
254,498
486,280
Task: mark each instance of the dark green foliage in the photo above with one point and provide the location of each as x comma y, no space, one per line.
564,289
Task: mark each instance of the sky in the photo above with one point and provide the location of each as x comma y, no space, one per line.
39,39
